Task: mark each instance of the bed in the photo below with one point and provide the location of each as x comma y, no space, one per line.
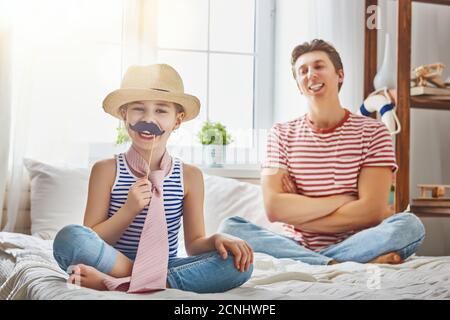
29,271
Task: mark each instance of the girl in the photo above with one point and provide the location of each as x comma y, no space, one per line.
119,196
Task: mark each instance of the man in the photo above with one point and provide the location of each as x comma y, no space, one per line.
327,177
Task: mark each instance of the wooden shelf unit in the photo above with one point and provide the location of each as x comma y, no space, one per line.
404,100
424,103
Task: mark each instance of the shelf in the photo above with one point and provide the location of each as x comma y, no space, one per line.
402,150
424,103
443,2
430,212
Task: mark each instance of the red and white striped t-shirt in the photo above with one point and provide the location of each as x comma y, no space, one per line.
326,162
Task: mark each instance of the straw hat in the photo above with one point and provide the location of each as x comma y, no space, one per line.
153,82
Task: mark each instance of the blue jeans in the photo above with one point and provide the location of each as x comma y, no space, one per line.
205,273
402,233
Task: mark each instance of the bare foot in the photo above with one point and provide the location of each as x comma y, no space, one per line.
389,258
332,262
88,277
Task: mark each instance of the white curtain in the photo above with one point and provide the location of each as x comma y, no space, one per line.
67,56
340,22
5,96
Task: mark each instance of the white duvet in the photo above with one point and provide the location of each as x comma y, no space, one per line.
28,271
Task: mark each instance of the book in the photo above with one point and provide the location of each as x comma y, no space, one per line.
418,91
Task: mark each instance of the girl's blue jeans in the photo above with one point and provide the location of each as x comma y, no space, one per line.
402,233
205,273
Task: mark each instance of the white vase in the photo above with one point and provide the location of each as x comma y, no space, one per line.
386,75
214,155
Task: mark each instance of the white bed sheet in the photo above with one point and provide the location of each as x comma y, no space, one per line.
28,271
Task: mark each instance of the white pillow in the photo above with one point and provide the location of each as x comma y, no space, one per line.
225,197
58,197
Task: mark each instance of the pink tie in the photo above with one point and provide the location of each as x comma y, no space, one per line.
150,267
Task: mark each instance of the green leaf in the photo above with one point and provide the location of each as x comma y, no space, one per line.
122,136
214,133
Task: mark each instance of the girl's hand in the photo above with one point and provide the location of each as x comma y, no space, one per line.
288,185
139,195
241,250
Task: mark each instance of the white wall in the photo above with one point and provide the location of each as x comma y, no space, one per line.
300,21
341,23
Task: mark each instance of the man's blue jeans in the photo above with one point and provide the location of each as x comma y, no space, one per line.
402,233
205,273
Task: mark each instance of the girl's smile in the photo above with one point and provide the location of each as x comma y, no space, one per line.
145,136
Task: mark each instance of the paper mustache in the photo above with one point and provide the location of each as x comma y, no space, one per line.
143,126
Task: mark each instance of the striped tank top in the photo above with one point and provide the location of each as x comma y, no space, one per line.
173,194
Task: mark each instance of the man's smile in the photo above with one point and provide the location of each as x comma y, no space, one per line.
316,87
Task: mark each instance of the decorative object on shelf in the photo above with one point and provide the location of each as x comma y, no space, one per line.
386,75
426,81
429,74
437,191
432,200
382,101
214,138
431,91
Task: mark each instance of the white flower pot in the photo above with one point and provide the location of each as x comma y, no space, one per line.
214,155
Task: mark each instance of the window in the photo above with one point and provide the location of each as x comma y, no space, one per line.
68,55
223,51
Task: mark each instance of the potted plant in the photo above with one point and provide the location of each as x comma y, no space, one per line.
123,140
214,138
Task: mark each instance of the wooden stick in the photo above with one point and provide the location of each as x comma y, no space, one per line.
151,154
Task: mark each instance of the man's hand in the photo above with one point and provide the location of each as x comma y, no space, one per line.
289,186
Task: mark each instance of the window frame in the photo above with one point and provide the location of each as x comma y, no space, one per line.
263,65
263,62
